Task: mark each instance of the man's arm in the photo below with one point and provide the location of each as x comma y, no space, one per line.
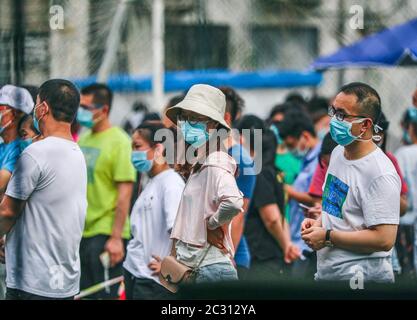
114,246
272,219
238,224
5,176
377,238
403,205
303,197
10,209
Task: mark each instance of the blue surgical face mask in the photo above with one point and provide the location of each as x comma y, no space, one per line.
85,118
140,161
406,137
195,134
322,133
299,153
341,131
275,130
25,143
35,119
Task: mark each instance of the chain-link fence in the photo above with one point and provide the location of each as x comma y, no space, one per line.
238,35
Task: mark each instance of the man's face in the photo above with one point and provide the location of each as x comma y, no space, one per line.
99,112
347,104
301,144
7,115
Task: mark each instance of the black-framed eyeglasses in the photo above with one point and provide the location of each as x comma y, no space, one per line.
340,115
191,119
91,107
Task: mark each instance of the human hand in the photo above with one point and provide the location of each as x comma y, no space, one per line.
307,223
292,253
216,237
314,237
114,246
313,212
155,265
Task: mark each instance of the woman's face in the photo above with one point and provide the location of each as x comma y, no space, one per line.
139,143
26,130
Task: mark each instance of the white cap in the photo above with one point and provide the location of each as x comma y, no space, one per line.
16,98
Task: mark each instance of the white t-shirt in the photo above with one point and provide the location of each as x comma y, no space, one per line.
407,160
151,220
358,194
42,248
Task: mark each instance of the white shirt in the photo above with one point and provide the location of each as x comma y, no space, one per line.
407,160
42,248
151,220
358,194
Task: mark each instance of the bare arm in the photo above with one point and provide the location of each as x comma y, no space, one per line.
403,205
238,224
114,246
378,238
303,197
10,210
374,239
272,219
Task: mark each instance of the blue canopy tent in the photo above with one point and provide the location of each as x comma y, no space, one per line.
390,47
183,80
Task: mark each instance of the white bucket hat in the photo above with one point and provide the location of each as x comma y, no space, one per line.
202,99
17,98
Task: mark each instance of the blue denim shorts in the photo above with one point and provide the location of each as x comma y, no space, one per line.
216,272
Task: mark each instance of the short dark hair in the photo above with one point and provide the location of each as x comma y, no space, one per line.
23,120
148,130
174,101
102,94
62,97
250,122
296,98
368,98
295,123
234,102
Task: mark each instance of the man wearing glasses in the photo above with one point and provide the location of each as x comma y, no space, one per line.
361,199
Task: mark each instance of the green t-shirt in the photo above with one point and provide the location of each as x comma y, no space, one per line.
108,158
290,166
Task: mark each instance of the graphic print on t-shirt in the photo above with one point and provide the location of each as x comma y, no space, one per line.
91,156
334,196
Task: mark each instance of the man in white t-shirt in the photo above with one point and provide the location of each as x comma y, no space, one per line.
44,207
361,198
407,160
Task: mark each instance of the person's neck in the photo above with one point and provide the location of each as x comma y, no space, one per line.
9,135
58,130
158,168
359,149
101,126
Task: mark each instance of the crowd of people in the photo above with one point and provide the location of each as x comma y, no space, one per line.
84,202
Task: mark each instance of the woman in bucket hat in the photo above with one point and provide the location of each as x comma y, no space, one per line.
211,198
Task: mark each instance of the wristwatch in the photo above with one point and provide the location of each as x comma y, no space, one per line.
328,241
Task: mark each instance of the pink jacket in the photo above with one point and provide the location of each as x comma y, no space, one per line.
210,199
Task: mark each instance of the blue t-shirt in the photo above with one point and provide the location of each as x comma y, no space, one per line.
9,154
246,183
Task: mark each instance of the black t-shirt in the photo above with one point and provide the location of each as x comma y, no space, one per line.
267,191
